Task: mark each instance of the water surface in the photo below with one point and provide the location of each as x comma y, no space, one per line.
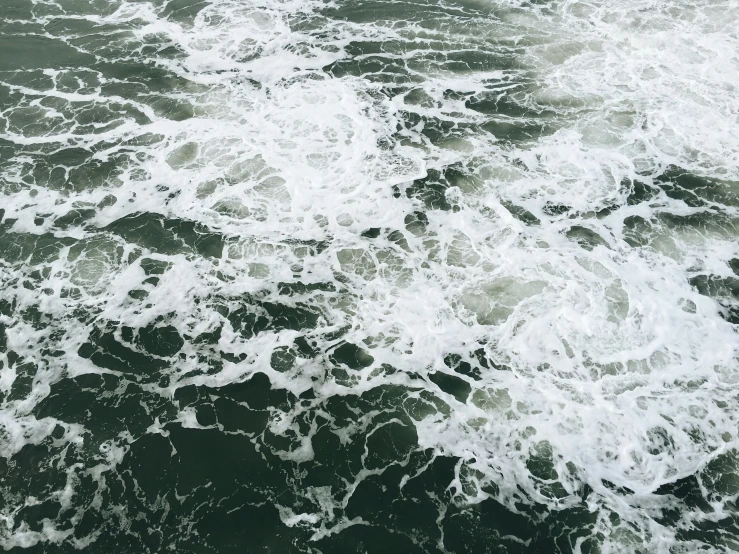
369,276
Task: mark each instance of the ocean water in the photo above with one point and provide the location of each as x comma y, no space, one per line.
369,276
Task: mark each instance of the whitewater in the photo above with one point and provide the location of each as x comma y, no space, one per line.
338,276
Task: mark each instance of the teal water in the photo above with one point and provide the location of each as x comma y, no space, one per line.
352,276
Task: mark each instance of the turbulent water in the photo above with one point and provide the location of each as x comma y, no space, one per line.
369,276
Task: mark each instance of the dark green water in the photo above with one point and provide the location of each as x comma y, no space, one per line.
369,276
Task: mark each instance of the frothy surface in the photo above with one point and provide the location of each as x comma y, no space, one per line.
369,276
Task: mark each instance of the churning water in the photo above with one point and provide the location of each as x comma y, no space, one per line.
369,276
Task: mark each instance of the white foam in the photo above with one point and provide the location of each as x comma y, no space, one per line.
604,358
